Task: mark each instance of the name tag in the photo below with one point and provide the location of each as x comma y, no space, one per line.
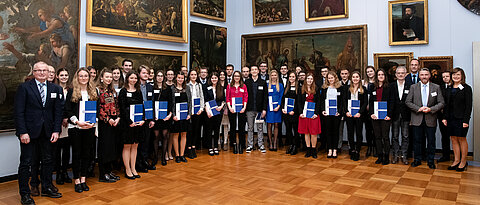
292,88
306,95
60,96
406,91
129,95
177,94
338,93
434,94
53,95
460,87
260,87
270,90
374,93
242,90
267,81
156,91
209,88
149,94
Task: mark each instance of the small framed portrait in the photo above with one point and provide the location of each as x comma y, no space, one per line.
390,61
408,22
325,9
266,12
210,9
437,65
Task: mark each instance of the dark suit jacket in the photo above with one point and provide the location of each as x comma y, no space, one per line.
260,98
459,105
398,106
385,97
31,116
208,95
414,102
340,100
408,79
361,96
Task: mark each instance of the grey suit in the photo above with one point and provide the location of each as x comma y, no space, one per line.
424,123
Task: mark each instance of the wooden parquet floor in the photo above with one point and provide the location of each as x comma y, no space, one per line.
275,178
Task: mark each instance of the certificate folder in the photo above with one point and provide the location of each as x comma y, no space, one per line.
88,111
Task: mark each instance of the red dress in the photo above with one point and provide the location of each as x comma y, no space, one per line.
308,125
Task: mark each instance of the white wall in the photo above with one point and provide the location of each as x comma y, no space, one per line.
452,30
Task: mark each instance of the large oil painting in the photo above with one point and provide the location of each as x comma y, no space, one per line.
325,9
211,9
31,31
151,19
106,56
267,12
437,65
408,22
208,46
339,47
390,61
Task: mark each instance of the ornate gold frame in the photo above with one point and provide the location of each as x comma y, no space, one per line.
193,13
308,18
279,22
448,59
390,26
118,32
407,55
98,47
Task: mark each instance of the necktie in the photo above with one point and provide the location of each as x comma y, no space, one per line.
414,79
424,95
42,93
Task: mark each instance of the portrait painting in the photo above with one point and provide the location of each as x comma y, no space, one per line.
211,9
437,65
164,20
267,12
106,56
408,22
32,31
471,5
325,9
339,47
208,46
390,61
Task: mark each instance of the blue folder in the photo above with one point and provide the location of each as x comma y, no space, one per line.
148,106
196,106
212,107
289,104
161,109
309,109
182,110
136,112
380,109
237,104
353,106
88,111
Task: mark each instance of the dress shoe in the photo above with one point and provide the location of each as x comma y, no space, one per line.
183,159
78,188
194,153
294,150
405,160
308,153
189,153
26,199
66,178
386,159
49,192
129,177
136,176
416,163
235,148
240,150
334,154
443,159
210,152
463,168
431,165
54,188
34,191
329,154
379,160
106,178
314,153
215,151
85,187
141,169
369,152
164,162
152,167
394,159
177,159
454,167
289,150
114,176
59,178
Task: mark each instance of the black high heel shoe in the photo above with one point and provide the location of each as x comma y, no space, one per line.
129,177
463,168
454,167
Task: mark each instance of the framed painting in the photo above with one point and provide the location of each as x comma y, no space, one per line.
436,65
325,9
101,56
471,5
32,31
210,9
164,20
408,22
266,12
338,47
390,61
208,47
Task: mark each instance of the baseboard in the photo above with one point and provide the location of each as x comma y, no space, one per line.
8,178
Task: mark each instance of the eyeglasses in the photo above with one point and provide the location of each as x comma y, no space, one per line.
41,71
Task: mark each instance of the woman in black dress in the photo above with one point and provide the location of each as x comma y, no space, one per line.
132,132
291,118
458,109
214,92
162,93
180,94
354,121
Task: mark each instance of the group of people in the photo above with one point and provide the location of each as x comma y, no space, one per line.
49,120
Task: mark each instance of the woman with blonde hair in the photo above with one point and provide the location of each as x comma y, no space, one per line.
331,90
274,115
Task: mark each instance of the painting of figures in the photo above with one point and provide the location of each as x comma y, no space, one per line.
267,12
211,9
208,47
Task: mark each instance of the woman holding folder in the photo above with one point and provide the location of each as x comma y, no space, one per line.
274,114
215,93
81,132
161,93
132,132
381,127
309,125
331,90
180,96
353,113
237,97
290,113
196,94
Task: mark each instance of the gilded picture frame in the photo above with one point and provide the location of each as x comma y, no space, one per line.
160,23
198,9
334,11
390,61
408,22
100,56
261,17
436,65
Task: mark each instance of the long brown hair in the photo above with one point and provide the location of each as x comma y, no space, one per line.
385,81
155,83
352,87
218,87
77,93
184,84
336,84
102,85
287,87
126,85
313,88
121,81
232,84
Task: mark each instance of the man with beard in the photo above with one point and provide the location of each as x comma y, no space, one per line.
413,26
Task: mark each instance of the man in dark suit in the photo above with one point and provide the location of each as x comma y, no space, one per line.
146,146
443,129
425,99
229,74
412,77
401,116
321,79
38,121
203,80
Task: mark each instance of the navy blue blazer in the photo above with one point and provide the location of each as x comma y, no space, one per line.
408,79
31,116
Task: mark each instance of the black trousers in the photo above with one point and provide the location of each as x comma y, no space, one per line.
204,127
355,128
419,137
382,138
445,139
195,130
213,130
106,147
291,125
242,120
28,152
331,131
145,147
370,137
82,140
62,154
